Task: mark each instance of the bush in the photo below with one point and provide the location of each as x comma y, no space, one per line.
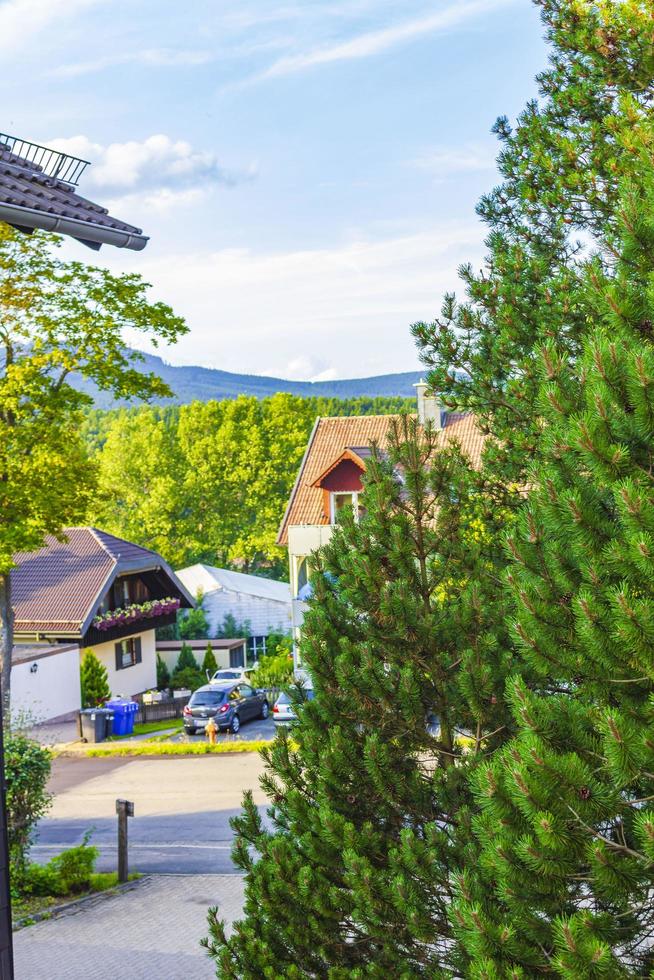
163,674
69,873
186,660
274,671
231,629
192,624
209,664
94,681
27,769
278,643
189,677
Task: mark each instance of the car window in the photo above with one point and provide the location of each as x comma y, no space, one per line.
234,695
227,675
246,691
207,698
283,698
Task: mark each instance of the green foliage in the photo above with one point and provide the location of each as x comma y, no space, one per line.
207,481
69,873
94,681
233,630
370,807
192,624
27,770
187,674
209,664
163,674
275,670
279,643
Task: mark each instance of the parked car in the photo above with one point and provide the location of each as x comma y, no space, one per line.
229,705
233,674
283,709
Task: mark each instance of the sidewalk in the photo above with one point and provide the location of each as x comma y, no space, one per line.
153,930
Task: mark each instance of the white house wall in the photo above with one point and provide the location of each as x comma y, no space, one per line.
129,680
264,615
170,657
51,691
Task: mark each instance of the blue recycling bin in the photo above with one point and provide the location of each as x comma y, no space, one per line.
124,714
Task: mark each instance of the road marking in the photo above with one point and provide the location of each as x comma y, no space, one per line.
136,846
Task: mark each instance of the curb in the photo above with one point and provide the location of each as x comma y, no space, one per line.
58,910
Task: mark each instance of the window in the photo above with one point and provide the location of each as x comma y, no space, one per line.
128,652
207,698
246,691
256,647
303,573
341,500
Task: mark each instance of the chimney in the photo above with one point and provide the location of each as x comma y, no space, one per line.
429,409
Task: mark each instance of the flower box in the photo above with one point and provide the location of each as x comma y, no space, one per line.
135,612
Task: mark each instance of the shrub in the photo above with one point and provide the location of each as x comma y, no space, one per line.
163,674
186,660
27,768
209,664
231,629
189,677
94,681
274,671
192,624
75,866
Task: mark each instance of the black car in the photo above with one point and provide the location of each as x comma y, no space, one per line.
228,704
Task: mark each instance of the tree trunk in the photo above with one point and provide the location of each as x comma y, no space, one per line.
6,640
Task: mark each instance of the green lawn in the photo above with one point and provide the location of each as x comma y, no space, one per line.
149,727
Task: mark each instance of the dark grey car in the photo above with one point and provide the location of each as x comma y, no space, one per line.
228,704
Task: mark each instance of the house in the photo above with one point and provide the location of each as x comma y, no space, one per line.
330,475
229,652
262,603
90,591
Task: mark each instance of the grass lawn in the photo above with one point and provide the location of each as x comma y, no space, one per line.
175,748
147,728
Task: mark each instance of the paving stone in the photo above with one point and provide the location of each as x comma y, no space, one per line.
153,930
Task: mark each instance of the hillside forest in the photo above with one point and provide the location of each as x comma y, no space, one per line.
208,481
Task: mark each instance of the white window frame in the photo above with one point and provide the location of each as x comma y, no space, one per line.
354,494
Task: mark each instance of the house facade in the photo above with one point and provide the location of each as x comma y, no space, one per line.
263,603
95,591
330,479
229,652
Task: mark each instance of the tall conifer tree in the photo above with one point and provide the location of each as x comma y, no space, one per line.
370,800
565,884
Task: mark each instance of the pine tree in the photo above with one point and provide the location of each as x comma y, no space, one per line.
94,681
163,674
565,884
370,805
209,665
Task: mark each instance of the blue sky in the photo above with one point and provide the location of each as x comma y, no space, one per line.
307,170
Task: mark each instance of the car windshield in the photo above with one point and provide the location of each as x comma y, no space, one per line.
207,698
228,675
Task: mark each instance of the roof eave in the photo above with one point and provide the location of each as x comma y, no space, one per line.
86,231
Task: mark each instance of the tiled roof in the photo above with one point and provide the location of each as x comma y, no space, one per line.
24,185
332,436
57,588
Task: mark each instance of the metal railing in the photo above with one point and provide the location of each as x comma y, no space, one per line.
53,163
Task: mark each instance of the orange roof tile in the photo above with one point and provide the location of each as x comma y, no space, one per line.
332,436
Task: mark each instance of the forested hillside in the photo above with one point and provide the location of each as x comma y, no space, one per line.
208,481
194,383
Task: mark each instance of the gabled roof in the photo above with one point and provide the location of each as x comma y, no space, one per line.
351,455
332,438
209,579
57,589
31,198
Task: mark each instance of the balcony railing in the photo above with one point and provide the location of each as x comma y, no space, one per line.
53,163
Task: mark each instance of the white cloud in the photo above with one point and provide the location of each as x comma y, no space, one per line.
148,57
453,160
344,310
374,42
21,18
165,169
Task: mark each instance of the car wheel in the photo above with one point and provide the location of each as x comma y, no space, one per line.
235,725
265,710
190,731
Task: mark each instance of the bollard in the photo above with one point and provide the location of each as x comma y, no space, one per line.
124,809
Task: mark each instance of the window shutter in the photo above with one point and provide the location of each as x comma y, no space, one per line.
137,650
119,657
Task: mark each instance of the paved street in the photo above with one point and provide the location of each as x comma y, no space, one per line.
152,931
182,809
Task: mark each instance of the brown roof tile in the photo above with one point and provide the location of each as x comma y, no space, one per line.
55,589
332,436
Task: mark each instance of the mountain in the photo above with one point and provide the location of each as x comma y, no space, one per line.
201,384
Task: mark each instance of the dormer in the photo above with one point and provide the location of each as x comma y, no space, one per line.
341,483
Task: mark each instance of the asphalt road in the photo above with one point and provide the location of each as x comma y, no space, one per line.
182,809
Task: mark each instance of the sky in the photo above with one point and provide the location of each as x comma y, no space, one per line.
307,170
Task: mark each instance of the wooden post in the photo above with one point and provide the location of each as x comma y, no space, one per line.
124,809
